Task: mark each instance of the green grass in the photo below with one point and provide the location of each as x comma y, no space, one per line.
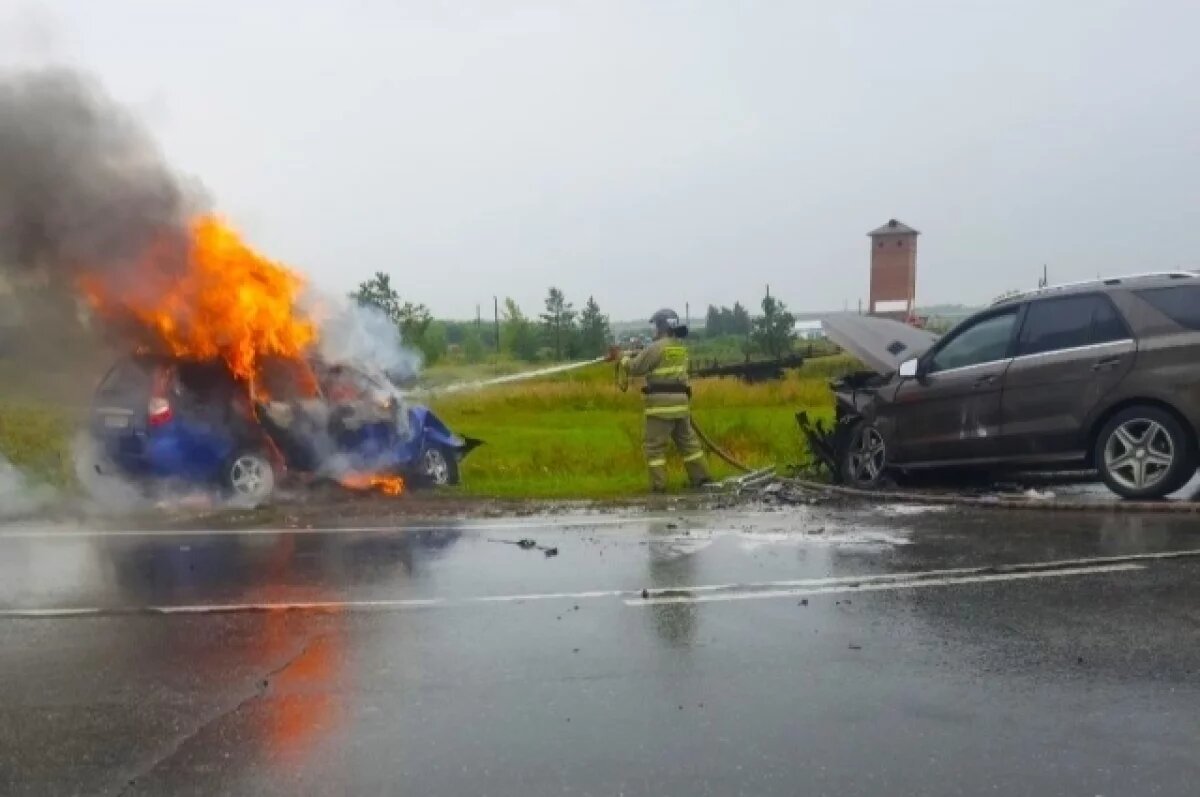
37,440
574,435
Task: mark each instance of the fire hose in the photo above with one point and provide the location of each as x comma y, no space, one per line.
622,380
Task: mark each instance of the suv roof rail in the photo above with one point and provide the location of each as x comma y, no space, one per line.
1102,281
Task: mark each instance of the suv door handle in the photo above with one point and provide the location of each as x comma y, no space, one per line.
984,381
1106,363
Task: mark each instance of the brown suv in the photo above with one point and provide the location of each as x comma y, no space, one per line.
1104,375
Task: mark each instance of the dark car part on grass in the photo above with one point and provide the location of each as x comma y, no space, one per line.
159,418
1102,375
751,371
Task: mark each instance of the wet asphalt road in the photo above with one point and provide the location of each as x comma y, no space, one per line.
804,652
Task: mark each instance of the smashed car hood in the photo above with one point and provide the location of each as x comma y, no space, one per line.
881,343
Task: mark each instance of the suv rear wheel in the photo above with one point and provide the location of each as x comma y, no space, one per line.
250,477
1145,452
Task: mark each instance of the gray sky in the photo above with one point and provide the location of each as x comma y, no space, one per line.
653,153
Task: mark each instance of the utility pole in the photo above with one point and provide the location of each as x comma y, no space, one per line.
496,318
478,318
687,314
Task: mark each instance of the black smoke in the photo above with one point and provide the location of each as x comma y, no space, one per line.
82,184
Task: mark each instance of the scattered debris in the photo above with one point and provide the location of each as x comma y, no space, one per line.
645,593
527,544
853,646
803,602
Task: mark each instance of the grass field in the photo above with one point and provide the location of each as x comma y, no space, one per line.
567,435
37,441
576,435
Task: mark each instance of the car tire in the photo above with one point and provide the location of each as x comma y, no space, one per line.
249,478
1145,453
863,461
438,467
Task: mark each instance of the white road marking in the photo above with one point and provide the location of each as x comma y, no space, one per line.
880,587
705,593
51,533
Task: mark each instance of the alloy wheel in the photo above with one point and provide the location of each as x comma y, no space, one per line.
251,477
868,455
1139,453
435,467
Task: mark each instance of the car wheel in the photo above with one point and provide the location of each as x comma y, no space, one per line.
438,467
1145,453
250,478
864,460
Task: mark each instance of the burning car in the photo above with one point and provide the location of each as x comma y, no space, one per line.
1102,375
161,417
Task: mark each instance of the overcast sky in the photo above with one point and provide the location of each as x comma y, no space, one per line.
656,153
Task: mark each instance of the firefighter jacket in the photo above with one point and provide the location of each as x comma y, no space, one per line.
664,364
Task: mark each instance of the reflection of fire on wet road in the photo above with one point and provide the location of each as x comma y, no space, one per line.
300,703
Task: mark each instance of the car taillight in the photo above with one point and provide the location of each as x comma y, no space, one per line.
159,411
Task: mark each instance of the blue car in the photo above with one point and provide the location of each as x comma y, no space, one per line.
160,418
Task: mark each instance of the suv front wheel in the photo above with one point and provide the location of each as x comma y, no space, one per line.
865,459
1144,452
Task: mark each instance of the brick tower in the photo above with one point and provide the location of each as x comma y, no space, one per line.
893,270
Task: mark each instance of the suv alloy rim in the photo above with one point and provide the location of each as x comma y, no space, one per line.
868,455
1139,453
436,467
249,476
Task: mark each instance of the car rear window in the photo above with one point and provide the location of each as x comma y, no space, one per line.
126,378
1181,303
1068,323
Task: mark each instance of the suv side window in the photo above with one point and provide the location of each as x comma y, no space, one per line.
1181,304
1068,323
983,342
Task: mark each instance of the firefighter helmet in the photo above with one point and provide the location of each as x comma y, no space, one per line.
667,320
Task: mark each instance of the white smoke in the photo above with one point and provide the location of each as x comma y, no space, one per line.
19,495
363,337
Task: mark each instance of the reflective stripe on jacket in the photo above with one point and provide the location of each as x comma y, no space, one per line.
664,364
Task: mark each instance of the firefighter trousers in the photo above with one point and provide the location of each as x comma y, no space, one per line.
659,431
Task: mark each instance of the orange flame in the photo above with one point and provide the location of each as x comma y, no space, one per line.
388,485
223,300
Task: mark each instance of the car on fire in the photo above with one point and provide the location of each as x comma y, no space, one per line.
1100,375
158,418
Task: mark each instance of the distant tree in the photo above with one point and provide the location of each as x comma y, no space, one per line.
558,321
517,335
433,341
472,345
594,330
413,319
712,322
739,320
378,292
774,330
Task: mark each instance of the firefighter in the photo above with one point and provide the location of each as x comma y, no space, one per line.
664,364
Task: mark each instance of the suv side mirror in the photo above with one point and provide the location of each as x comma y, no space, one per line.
910,368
